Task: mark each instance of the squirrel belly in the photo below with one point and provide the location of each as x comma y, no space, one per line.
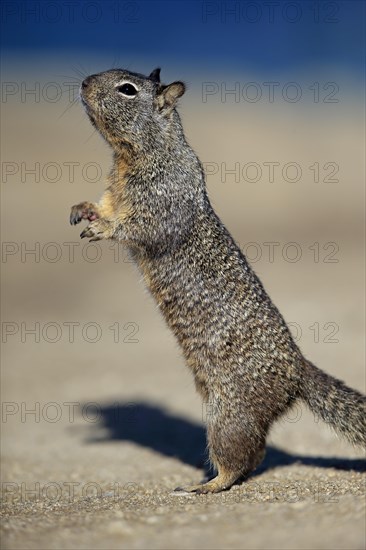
245,363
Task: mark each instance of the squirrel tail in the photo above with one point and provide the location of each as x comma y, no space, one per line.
335,403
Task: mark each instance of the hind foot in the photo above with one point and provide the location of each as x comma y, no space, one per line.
222,482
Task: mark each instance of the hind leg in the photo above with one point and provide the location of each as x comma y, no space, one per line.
236,448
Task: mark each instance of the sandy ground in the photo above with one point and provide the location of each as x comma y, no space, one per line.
100,418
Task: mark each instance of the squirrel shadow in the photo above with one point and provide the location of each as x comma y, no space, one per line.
173,436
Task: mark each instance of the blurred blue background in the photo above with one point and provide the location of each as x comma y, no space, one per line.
260,36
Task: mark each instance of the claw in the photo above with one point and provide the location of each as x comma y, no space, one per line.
86,233
75,217
97,230
221,482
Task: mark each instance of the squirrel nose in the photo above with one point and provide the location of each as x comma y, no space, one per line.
85,83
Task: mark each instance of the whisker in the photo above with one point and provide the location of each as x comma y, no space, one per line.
67,76
115,62
78,71
71,104
83,70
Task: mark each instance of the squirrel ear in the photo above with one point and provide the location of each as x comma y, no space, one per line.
168,95
155,75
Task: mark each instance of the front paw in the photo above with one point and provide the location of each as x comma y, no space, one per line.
83,211
98,230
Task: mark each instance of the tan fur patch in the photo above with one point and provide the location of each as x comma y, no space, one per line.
114,204
106,206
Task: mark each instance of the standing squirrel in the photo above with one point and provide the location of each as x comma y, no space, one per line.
245,363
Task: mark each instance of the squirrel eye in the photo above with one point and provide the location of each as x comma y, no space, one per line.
127,89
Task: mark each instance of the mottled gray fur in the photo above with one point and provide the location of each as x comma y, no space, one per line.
245,363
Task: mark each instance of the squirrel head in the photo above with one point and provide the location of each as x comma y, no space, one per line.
130,109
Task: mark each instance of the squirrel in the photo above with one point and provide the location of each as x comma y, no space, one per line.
245,363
